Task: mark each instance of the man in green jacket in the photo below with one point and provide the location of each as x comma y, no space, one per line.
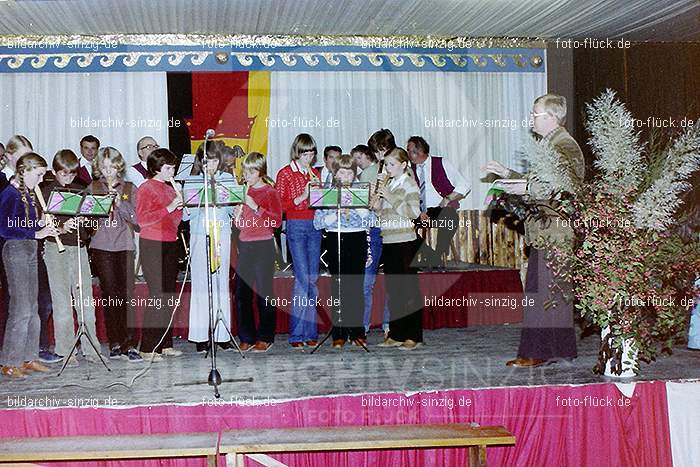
548,325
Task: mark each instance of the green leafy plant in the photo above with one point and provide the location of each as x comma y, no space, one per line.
630,273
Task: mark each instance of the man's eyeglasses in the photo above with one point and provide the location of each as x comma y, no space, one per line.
538,114
149,146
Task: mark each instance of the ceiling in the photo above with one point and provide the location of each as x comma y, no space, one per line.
636,20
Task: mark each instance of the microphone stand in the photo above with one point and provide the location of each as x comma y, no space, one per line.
214,378
82,328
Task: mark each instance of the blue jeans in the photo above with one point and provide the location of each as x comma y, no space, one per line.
375,248
305,247
22,327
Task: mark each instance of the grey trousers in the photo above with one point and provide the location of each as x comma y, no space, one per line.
23,325
65,295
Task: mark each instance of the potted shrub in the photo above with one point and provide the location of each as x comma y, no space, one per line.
632,276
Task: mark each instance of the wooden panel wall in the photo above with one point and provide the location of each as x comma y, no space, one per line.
658,80
663,80
480,241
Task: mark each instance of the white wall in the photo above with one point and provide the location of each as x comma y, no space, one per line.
54,110
350,106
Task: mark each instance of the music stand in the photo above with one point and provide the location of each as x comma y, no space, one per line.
228,193
185,167
198,191
325,196
78,204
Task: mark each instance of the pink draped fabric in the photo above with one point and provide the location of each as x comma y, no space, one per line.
591,425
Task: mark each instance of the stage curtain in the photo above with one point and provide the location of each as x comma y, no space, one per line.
55,110
345,108
472,298
259,109
684,420
553,425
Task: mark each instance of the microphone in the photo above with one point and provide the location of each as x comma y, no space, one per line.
207,134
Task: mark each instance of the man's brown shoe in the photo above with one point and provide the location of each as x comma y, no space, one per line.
389,342
410,345
244,346
311,343
526,362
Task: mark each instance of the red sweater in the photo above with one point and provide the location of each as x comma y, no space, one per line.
261,225
291,182
154,219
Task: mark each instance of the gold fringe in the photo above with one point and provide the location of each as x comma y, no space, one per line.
267,41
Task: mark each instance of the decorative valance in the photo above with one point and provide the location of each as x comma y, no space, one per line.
170,53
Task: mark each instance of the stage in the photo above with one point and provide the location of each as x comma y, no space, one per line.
458,376
450,359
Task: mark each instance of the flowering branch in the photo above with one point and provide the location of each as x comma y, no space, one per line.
655,207
615,144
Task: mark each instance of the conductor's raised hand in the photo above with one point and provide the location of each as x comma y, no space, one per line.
496,167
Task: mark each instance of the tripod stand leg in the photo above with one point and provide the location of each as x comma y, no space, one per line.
338,312
230,336
73,350
325,338
92,343
82,330
364,346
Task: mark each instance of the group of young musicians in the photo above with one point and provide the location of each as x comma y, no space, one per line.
354,240
41,253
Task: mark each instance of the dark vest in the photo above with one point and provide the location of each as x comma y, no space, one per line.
83,178
438,178
140,169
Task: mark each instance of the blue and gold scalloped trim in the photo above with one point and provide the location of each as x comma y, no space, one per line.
214,54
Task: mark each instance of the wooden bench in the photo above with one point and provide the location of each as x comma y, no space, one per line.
256,443
83,448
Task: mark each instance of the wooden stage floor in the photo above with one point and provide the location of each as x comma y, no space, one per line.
451,359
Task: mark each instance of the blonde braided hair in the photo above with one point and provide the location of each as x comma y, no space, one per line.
27,162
